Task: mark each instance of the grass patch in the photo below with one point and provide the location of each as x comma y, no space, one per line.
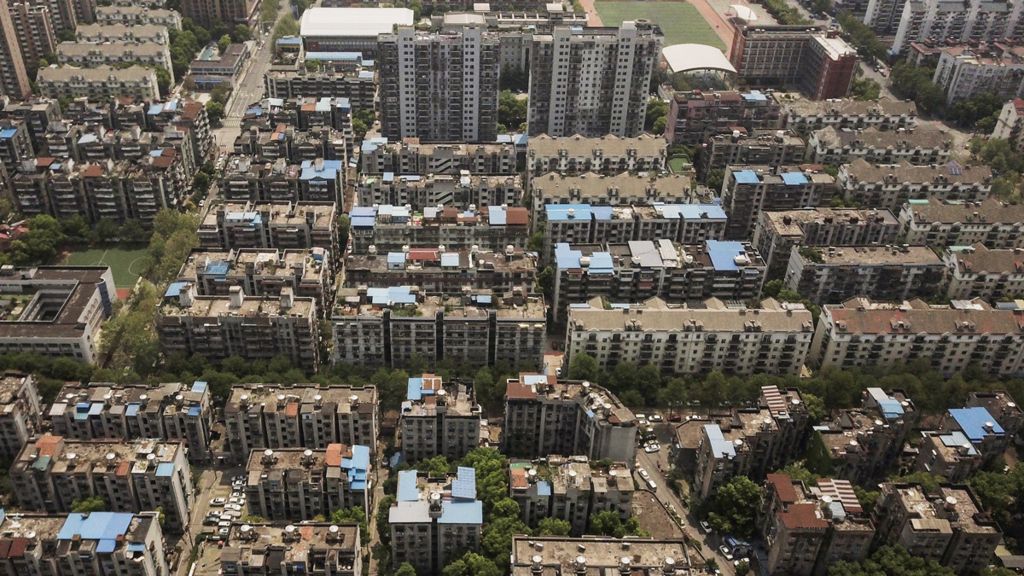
677,164
125,264
680,21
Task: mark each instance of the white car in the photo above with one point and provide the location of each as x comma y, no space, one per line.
651,448
705,527
224,524
223,531
238,494
218,502
656,418
641,417
652,485
234,500
643,473
724,550
233,507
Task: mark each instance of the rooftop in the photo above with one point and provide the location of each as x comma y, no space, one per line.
611,146
11,387
455,495
692,57
59,456
273,547
791,222
625,185
987,211
357,22
922,137
722,256
875,255
950,172
801,106
597,555
596,402
978,259
424,394
862,316
656,315
250,306
298,465
82,401
296,399
75,286
133,73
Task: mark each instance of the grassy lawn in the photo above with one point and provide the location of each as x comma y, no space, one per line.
680,21
677,163
125,264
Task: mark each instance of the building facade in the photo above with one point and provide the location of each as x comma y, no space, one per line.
296,484
20,414
748,191
829,275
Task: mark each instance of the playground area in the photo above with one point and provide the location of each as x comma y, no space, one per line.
125,264
681,22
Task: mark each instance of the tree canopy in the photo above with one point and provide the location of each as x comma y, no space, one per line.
732,509
890,561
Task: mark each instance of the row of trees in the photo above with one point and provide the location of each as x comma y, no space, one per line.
915,83
1006,163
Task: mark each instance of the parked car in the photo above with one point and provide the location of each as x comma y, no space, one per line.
210,521
232,507
656,418
218,502
705,527
643,473
224,531
652,485
724,550
224,524
652,448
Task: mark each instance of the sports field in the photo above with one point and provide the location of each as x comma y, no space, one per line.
679,21
126,265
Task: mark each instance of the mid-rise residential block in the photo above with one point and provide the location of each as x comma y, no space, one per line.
747,191
890,186
296,484
570,489
19,412
388,227
696,115
980,272
438,419
918,146
804,116
607,154
990,222
603,554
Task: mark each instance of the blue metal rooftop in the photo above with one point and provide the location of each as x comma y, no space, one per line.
794,178
407,490
746,177
890,407
566,257
102,526
720,447
973,422
464,485
459,512
723,254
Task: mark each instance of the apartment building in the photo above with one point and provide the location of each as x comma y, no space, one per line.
1002,407
143,34
439,86
949,455
358,85
231,12
570,489
439,271
294,484
980,272
860,332
461,191
592,81
389,227
438,419
747,191
89,55
546,416
109,543
294,115
892,186
944,22
590,224
261,416
601,554
621,189
990,222
55,310
435,519
267,549
15,144
863,443
271,141
19,412
830,275
808,528
696,115
172,412
37,114
748,441
101,82
772,339
250,327
771,148
606,154
777,233
281,225
33,26
804,116
1009,123
948,526
14,80
138,16
379,155
51,474
964,72
809,59
919,146
261,179
398,326
970,438
641,269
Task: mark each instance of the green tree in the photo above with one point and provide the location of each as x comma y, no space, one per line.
552,527
223,43
608,523
583,367
383,512
241,33
215,112
163,80
733,507
344,225
890,561
91,504
355,515
40,245
497,538
286,26
865,89
743,568
505,508
472,564
436,467
511,110
491,475
863,37
657,109
405,569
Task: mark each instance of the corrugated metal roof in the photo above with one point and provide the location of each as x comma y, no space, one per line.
407,490
973,422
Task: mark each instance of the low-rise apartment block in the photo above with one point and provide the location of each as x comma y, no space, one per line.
940,224
55,310
570,489
970,438
777,233
19,413
980,272
252,328
99,83
388,228
279,225
808,528
51,474
89,55
461,190
435,519
296,484
861,333
863,443
949,527
891,186
439,271
805,116
208,71
829,275
1009,123
438,419
771,148
261,272
1002,407
747,191
696,115
141,34
313,180
595,224
138,16
601,554
919,146
15,144
749,441
357,84
399,326
641,269
105,411
773,339
267,549
612,190
379,155
93,544
545,416
608,154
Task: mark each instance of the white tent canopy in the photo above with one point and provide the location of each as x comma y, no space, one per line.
744,12
694,57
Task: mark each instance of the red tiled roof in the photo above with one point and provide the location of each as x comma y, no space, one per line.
517,216
516,390
421,254
784,487
519,481
292,409
92,171
803,516
334,454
